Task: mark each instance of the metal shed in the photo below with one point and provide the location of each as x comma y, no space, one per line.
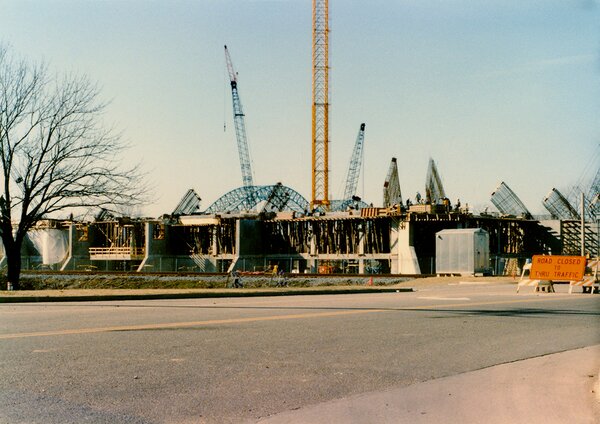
462,251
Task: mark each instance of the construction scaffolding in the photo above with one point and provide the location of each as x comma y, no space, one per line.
314,236
570,235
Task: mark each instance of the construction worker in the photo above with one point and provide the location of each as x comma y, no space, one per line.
237,279
281,278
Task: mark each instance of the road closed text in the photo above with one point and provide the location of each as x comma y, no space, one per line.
557,268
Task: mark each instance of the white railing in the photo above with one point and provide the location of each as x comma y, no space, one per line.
116,252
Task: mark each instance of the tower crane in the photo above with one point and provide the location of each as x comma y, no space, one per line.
355,164
240,130
320,107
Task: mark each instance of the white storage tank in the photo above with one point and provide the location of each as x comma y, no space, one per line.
462,251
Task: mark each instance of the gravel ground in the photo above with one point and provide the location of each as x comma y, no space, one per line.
68,284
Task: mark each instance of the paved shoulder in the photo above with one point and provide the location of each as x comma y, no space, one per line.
556,388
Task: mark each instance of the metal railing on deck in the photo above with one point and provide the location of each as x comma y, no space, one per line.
116,252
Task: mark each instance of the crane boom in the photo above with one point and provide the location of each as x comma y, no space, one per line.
392,195
240,125
434,190
355,164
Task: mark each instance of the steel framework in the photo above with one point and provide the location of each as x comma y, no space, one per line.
320,107
240,131
391,187
275,197
507,202
593,198
355,164
558,206
434,190
188,204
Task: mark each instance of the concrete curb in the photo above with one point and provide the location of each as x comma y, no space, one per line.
197,295
554,388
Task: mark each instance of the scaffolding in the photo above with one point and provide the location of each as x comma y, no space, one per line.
570,235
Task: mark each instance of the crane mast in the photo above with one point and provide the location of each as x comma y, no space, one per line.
240,125
320,107
355,163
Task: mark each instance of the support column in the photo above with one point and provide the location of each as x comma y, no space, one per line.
215,244
407,257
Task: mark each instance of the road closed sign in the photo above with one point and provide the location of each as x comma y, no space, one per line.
557,268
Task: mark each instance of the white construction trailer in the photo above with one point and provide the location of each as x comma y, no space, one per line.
462,251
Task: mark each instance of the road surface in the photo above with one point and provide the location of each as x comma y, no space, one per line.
252,359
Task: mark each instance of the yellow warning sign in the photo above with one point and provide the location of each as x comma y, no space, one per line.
557,268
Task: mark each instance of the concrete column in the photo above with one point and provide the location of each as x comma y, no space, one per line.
407,257
312,265
68,264
394,264
148,236
361,240
215,244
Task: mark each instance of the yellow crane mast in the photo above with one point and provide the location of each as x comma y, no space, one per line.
320,107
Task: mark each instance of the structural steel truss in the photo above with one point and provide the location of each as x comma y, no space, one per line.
277,197
507,202
320,107
391,187
558,206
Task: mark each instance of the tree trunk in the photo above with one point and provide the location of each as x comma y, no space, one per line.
13,260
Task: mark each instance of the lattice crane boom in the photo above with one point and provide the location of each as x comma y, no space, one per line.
392,195
434,190
320,107
355,164
240,125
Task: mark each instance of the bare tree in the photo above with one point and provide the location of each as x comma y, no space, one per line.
55,153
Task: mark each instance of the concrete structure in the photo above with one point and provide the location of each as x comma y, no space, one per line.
366,241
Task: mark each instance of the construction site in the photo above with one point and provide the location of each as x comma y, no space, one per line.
254,228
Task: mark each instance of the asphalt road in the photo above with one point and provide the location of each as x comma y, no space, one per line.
244,359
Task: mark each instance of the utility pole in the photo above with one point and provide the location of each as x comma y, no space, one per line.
582,224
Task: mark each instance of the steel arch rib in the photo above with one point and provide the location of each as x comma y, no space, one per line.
237,200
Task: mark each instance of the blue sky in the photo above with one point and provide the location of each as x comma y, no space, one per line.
493,90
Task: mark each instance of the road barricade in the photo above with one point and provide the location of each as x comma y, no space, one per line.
539,285
590,281
544,270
